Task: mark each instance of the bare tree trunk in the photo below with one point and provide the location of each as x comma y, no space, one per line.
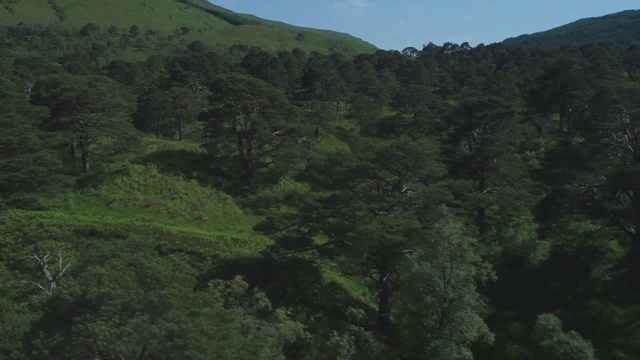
73,146
383,323
635,204
562,119
84,154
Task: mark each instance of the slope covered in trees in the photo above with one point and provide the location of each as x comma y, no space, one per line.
621,28
447,202
188,19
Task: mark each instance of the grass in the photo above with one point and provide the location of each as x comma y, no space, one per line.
167,17
27,11
144,14
330,143
139,199
354,286
134,190
57,226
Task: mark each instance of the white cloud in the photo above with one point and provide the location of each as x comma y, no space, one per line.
355,6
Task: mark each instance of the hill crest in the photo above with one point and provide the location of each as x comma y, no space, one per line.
195,19
622,28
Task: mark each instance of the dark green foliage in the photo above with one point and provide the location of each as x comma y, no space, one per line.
553,343
251,130
267,67
419,204
184,107
28,160
439,310
146,306
619,28
370,220
153,113
87,110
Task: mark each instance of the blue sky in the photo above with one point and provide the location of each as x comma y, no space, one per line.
396,24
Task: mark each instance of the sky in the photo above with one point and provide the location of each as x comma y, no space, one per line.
397,24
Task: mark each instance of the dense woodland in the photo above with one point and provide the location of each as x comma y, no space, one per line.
449,202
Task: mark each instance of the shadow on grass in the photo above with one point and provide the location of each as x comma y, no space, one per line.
294,283
188,164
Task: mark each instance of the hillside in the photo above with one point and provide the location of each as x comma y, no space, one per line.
621,28
195,19
160,199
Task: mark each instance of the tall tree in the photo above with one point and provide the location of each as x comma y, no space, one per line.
184,107
367,206
153,112
251,122
555,344
88,110
439,307
28,162
482,149
363,112
563,91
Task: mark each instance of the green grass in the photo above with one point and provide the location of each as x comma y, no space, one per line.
133,190
330,143
355,286
167,17
144,14
138,199
153,144
57,226
29,12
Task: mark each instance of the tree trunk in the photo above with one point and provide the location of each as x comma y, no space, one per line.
73,146
383,324
562,118
245,154
635,205
84,155
249,166
481,212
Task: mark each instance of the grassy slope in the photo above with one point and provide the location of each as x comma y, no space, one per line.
168,16
29,12
137,199
157,15
621,28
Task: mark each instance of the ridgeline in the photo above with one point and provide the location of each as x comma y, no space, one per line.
621,29
189,19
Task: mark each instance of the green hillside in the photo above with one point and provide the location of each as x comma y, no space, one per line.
162,198
195,19
621,28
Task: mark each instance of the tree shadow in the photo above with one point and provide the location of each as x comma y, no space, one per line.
294,283
190,165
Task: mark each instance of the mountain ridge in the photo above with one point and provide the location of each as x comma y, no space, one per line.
621,28
195,19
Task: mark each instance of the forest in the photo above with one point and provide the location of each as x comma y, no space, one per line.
447,202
